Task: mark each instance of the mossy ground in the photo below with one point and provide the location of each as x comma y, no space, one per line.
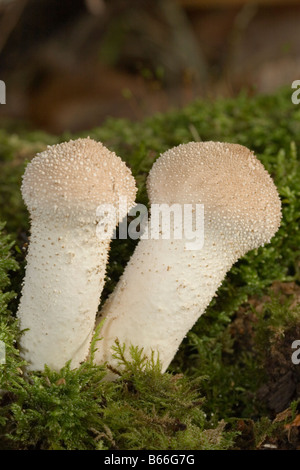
232,383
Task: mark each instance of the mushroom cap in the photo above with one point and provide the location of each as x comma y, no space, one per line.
76,177
241,202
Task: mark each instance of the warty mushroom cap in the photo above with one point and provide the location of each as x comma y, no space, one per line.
73,178
241,202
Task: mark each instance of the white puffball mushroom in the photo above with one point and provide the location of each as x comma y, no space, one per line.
165,286
66,260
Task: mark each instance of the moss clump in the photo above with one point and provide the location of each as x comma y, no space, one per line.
10,361
77,409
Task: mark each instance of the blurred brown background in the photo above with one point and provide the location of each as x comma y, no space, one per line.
68,65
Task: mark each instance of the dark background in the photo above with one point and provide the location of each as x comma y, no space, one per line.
69,65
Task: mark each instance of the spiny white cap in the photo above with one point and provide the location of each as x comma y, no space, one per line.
241,202
73,178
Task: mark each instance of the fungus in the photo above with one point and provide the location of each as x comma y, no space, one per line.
66,261
166,285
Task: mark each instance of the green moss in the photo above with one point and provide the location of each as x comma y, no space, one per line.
77,409
10,365
224,356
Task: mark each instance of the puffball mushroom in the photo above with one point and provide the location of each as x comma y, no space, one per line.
66,261
166,285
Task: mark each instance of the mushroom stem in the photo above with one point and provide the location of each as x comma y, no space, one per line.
166,285
146,311
61,293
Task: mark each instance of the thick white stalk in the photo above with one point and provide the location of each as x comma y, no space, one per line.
64,274
162,293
